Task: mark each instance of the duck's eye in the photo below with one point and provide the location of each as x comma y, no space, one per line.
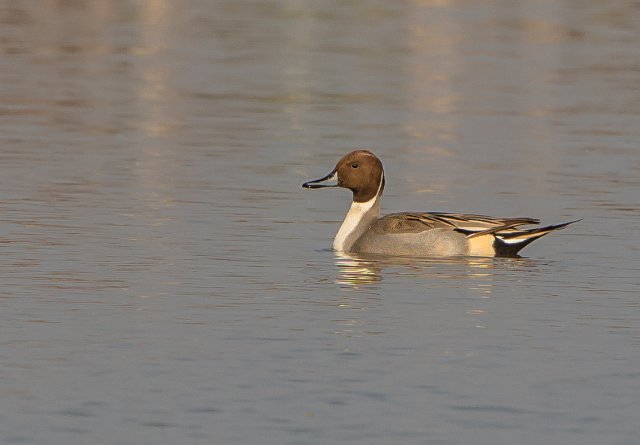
354,165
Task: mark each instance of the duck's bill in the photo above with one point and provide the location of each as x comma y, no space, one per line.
331,180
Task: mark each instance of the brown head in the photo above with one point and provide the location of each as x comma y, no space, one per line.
359,171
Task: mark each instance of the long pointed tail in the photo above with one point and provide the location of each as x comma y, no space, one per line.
510,242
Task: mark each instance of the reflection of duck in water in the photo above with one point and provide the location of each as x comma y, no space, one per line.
366,269
354,270
417,233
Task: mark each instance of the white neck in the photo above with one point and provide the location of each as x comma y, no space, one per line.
358,220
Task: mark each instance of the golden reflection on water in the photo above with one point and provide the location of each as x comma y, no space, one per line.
474,273
471,279
355,271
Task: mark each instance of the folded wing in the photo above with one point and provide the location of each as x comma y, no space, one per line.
505,235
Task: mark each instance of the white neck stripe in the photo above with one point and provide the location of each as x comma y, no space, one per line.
357,221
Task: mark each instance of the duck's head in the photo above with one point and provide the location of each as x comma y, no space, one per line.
359,171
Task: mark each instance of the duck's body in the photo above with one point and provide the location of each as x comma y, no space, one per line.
414,233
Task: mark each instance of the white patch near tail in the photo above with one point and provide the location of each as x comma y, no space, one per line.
517,239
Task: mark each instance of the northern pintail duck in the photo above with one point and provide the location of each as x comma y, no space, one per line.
417,233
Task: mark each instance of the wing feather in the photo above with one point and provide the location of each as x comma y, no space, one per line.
468,224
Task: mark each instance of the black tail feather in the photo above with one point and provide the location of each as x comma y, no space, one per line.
504,247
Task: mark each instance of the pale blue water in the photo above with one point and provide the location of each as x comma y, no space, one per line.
165,279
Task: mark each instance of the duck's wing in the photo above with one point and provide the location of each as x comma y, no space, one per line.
467,224
488,236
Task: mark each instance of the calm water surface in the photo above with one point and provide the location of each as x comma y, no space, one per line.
165,279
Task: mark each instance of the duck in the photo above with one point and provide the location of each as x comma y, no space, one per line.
417,234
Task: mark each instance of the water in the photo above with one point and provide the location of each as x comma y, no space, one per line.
165,279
